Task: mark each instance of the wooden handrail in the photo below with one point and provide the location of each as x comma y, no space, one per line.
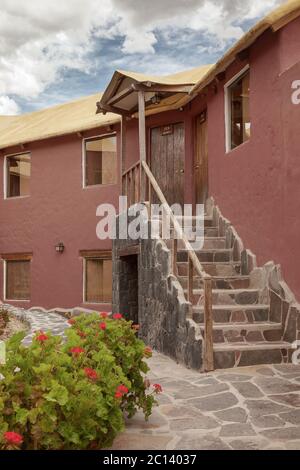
194,264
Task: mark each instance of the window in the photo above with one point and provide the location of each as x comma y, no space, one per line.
18,170
17,279
238,115
100,161
98,278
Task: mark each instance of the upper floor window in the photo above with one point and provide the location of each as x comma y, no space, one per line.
100,155
18,171
237,110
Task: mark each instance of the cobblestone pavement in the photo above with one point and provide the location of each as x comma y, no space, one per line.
248,408
38,320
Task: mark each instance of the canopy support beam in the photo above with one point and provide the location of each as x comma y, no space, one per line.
142,143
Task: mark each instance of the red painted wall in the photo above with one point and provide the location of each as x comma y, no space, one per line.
257,185
58,209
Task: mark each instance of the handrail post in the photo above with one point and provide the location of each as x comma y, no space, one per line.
190,279
174,255
208,327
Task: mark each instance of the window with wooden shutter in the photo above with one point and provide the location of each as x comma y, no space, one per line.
18,175
17,279
238,111
98,280
101,161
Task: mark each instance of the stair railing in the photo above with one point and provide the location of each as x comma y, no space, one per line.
131,180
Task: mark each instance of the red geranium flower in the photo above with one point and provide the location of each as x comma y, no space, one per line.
81,334
91,373
13,438
102,326
76,351
118,395
122,389
117,316
103,315
148,352
71,321
42,337
157,388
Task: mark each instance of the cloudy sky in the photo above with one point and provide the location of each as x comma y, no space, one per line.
52,51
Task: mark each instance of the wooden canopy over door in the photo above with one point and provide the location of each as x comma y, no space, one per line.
167,161
201,159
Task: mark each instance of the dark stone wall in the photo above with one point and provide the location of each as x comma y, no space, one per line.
163,312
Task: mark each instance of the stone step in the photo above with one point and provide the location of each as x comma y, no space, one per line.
245,332
214,243
211,231
233,313
242,354
208,255
226,296
210,243
220,269
227,282
255,346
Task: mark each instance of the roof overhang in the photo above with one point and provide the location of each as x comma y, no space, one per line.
161,93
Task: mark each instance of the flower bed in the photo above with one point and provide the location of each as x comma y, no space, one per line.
74,395
9,325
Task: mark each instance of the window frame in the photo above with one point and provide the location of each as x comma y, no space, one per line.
5,174
227,94
14,257
96,255
86,139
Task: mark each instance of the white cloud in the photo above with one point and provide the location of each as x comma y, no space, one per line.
8,107
41,38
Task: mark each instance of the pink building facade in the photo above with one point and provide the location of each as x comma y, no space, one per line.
255,184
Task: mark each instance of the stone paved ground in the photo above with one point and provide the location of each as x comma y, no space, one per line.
249,408
245,408
38,320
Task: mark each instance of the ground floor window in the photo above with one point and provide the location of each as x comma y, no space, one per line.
97,277
17,278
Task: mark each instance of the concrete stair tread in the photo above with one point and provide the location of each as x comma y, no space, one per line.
225,263
224,291
257,326
255,346
211,250
233,307
221,278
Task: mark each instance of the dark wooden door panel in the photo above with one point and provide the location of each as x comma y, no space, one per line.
167,161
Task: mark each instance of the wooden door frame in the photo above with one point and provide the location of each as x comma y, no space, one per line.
196,117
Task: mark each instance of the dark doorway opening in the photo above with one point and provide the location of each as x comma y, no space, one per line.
129,291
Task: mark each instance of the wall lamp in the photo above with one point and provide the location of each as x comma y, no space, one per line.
60,247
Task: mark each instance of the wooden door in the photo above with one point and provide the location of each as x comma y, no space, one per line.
201,159
167,161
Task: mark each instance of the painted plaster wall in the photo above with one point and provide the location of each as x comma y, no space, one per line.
257,185
58,209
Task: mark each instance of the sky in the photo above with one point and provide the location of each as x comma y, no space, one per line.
53,51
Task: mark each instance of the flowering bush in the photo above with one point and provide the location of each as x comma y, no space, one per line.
73,395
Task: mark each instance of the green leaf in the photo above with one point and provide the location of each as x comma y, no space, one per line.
59,394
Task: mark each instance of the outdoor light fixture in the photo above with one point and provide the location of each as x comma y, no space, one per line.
60,247
156,99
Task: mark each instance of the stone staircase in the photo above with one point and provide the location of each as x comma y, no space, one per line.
245,332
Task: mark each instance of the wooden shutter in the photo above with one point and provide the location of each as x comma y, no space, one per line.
98,280
18,280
